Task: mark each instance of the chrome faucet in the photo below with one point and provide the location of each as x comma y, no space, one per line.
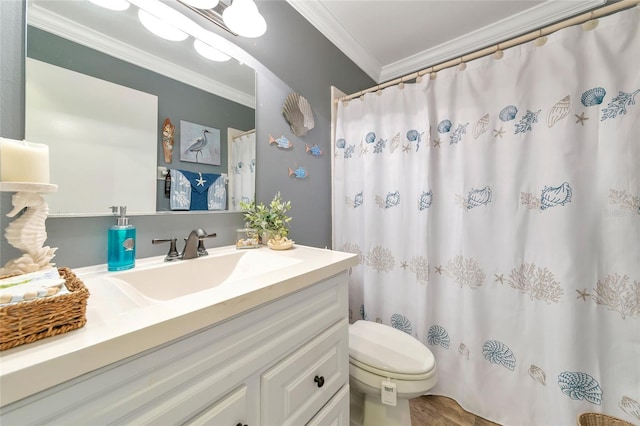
193,246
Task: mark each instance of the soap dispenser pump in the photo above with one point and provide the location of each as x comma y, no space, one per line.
121,243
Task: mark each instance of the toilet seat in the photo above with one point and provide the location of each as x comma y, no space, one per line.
388,352
390,374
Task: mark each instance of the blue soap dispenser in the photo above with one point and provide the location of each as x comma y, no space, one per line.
121,244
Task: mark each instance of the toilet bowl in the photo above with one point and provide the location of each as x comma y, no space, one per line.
379,353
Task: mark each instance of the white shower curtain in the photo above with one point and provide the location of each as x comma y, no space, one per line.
243,167
496,213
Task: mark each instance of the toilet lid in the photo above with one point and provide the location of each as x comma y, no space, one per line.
386,348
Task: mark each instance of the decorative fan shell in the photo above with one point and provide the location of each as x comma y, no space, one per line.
401,323
296,110
438,336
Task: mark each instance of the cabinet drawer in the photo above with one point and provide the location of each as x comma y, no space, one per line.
300,385
231,410
336,412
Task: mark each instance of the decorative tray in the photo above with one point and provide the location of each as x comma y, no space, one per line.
283,246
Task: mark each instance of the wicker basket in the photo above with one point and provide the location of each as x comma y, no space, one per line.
597,419
32,320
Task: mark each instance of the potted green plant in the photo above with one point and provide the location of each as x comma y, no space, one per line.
270,221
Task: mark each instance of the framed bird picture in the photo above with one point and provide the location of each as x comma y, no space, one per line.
199,144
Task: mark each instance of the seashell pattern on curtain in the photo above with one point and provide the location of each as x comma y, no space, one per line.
496,213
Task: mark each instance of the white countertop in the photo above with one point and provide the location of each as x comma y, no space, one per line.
117,327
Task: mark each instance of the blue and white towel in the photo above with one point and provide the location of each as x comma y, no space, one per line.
197,191
34,285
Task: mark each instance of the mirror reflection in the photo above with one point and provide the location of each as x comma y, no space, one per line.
107,162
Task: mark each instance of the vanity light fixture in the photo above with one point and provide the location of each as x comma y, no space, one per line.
118,5
243,18
202,4
160,27
209,52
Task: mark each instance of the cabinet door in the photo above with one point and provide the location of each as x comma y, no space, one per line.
296,388
234,409
336,412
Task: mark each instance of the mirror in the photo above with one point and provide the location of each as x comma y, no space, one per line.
114,47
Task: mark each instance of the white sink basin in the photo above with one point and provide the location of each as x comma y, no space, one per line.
170,280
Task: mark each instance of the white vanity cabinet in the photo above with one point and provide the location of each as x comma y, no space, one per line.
284,362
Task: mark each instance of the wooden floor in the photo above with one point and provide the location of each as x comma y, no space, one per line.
435,410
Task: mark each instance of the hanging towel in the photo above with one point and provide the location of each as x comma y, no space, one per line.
197,191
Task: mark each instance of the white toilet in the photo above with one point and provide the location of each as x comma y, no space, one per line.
379,353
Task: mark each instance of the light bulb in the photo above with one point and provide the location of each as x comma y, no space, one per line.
160,28
209,52
201,4
118,5
243,18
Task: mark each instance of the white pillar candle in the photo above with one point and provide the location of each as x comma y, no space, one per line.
22,161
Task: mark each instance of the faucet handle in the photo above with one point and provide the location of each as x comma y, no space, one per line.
202,251
173,251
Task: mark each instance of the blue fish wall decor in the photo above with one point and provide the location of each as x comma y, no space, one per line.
281,142
299,173
313,150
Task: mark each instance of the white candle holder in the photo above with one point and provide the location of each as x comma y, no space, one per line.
28,232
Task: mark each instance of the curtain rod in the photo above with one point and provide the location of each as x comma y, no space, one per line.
248,132
497,49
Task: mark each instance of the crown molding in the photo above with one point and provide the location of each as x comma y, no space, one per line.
513,26
536,17
319,17
71,30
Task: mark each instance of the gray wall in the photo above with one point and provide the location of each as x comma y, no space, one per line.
291,56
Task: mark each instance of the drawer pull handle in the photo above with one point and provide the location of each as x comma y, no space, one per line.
319,380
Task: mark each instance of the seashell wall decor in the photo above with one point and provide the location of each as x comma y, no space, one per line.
297,112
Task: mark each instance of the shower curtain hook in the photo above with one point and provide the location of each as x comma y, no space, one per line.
591,23
540,40
498,53
401,84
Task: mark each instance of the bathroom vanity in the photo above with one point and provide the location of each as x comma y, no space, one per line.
266,344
